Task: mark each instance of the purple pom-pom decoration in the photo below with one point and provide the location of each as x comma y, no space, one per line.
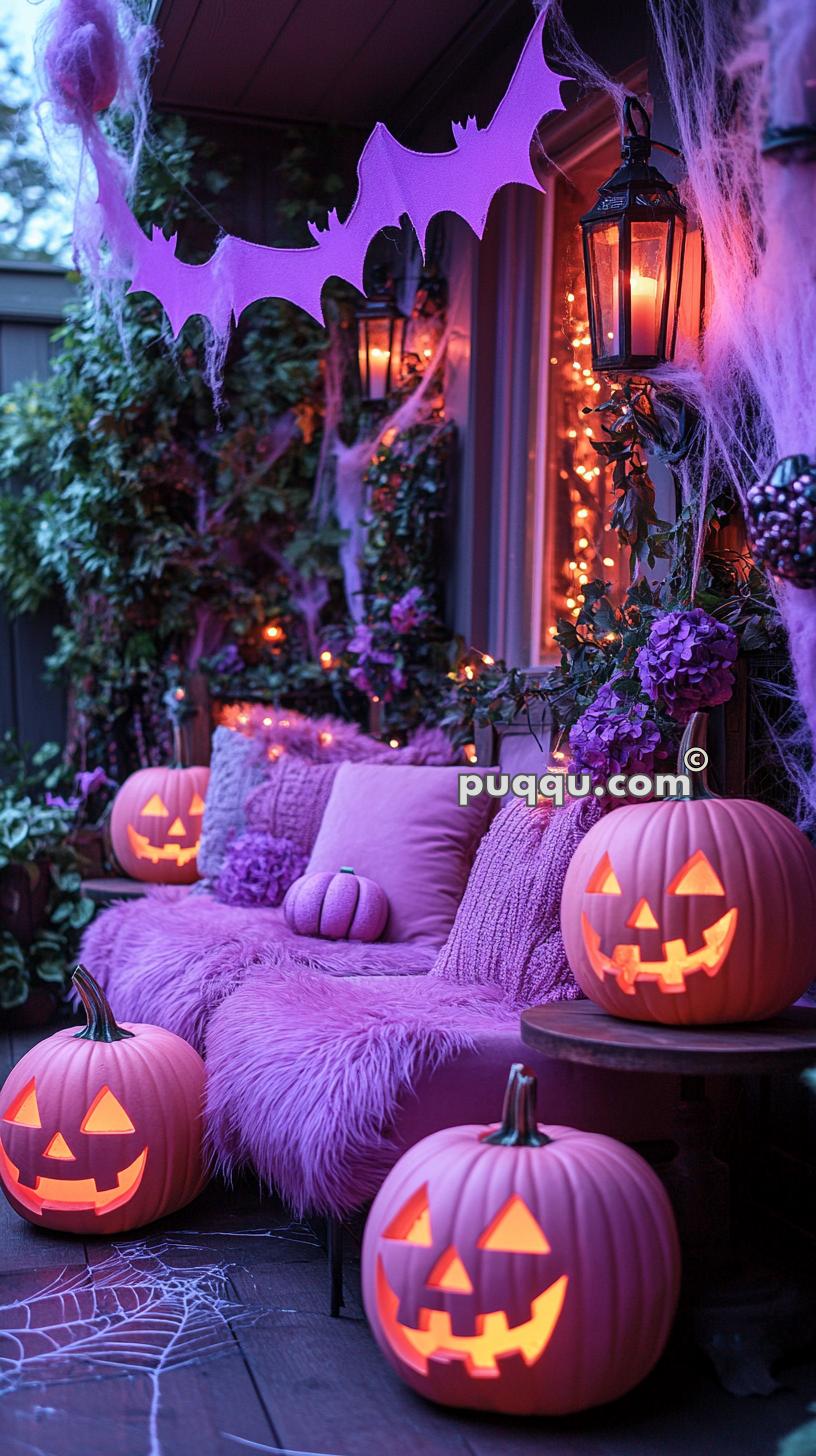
615,735
258,869
688,663
781,518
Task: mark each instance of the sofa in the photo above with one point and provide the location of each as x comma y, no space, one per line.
327,1059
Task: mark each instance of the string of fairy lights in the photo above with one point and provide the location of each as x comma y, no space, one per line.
587,556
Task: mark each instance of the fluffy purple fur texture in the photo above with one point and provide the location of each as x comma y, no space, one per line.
173,958
507,930
304,1076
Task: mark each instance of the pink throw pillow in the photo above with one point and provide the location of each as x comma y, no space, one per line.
402,826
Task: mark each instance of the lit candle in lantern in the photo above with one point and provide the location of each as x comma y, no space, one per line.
378,362
644,303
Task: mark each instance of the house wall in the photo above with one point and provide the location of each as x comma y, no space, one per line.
32,300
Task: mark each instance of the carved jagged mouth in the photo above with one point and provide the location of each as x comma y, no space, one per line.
66,1194
143,849
670,973
492,1340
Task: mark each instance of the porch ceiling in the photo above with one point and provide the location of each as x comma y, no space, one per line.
350,61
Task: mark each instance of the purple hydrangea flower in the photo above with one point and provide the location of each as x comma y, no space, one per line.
258,869
615,735
688,662
407,611
362,641
87,783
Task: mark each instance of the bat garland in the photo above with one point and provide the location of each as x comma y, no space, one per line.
393,182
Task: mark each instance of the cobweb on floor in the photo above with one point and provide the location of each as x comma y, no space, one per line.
139,1312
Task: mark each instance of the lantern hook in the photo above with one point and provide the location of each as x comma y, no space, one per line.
638,141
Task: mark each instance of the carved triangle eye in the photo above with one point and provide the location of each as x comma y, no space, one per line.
697,877
24,1110
156,807
515,1231
412,1224
106,1114
603,880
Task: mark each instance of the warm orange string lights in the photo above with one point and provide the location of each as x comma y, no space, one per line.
579,471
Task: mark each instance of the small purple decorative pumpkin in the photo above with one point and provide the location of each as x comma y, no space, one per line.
344,906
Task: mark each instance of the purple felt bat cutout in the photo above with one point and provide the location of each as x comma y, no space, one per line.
393,182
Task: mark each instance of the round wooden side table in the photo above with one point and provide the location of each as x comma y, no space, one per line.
742,1316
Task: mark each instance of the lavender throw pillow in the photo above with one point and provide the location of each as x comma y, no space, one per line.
259,741
290,802
236,766
507,930
403,826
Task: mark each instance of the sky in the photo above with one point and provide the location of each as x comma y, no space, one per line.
19,20
18,23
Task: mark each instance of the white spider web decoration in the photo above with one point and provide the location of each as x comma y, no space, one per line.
136,1313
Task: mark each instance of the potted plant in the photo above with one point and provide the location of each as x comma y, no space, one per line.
42,907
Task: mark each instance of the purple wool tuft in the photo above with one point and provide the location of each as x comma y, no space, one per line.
688,663
615,735
84,59
93,53
258,869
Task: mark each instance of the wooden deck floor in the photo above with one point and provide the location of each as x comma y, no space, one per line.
208,1335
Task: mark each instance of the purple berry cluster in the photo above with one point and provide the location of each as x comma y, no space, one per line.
781,515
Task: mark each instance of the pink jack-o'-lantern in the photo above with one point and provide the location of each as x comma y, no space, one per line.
156,824
344,906
100,1129
692,911
525,1269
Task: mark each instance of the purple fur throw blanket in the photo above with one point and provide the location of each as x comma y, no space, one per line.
173,957
304,1076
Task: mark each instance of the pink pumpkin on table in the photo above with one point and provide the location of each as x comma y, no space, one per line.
156,824
100,1129
525,1269
344,906
692,911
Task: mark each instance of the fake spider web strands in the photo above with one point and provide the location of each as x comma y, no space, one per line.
727,66
137,1313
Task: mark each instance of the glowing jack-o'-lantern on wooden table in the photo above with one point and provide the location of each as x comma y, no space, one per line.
156,823
692,911
524,1269
100,1129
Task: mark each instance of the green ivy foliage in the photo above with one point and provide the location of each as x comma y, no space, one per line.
34,842
164,531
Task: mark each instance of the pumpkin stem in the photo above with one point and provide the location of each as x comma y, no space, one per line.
519,1128
101,1025
694,738
179,747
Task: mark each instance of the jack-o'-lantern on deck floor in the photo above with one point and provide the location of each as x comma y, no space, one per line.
100,1129
692,911
524,1269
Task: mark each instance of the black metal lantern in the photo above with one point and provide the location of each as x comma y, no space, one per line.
634,240
380,341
